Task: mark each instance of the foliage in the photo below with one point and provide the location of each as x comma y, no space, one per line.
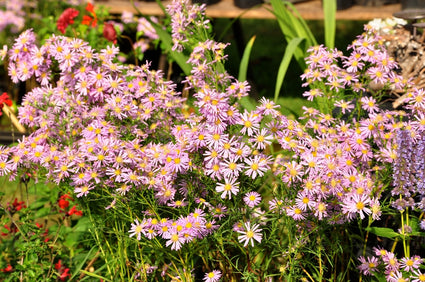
190,185
43,237
299,36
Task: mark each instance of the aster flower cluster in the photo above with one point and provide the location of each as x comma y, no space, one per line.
102,124
336,155
368,69
179,172
187,21
13,16
394,269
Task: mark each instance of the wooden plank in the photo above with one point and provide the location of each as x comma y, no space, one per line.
309,10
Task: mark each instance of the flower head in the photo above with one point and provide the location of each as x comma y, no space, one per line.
212,276
66,18
249,234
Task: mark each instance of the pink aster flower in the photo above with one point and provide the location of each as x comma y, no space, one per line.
212,276
83,190
250,234
410,264
252,199
136,229
229,187
261,139
250,122
367,267
344,105
295,212
369,104
174,239
256,166
418,276
357,204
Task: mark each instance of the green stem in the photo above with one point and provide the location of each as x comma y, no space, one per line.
403,232
367,235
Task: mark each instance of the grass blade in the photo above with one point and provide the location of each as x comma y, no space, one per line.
329,13
246,102
289,53
167,42
243,67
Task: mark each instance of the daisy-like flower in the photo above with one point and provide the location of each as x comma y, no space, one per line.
252,199
357,204
275,204
418,276
212,276
262,139
295,212
174,239
344,105
369,104
250,234
136,229
83,190
367,267
313,93
250,122
410,264
255,166
229,187
396,276
231,167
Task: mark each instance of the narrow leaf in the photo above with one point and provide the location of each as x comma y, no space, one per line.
284,64
243,67
329,13
167,41
383,232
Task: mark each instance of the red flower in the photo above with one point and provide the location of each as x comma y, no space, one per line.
63,201
63,272
110,33
66,19
8,268
58,265
4,99
87,20
8,229
18,205
64,275
45,233
73,210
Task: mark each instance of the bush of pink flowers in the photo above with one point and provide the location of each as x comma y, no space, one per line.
189,188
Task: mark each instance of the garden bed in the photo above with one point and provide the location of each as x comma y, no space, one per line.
132,173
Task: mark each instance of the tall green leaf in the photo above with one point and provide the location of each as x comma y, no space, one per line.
167,42
284,64
243,70
293,26
243,67
329,13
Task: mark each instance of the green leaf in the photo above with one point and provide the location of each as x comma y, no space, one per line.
293,25
42,212
243,67
329,12
92,274
39,203
82,262
289,53
167,43
383,232
247,103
